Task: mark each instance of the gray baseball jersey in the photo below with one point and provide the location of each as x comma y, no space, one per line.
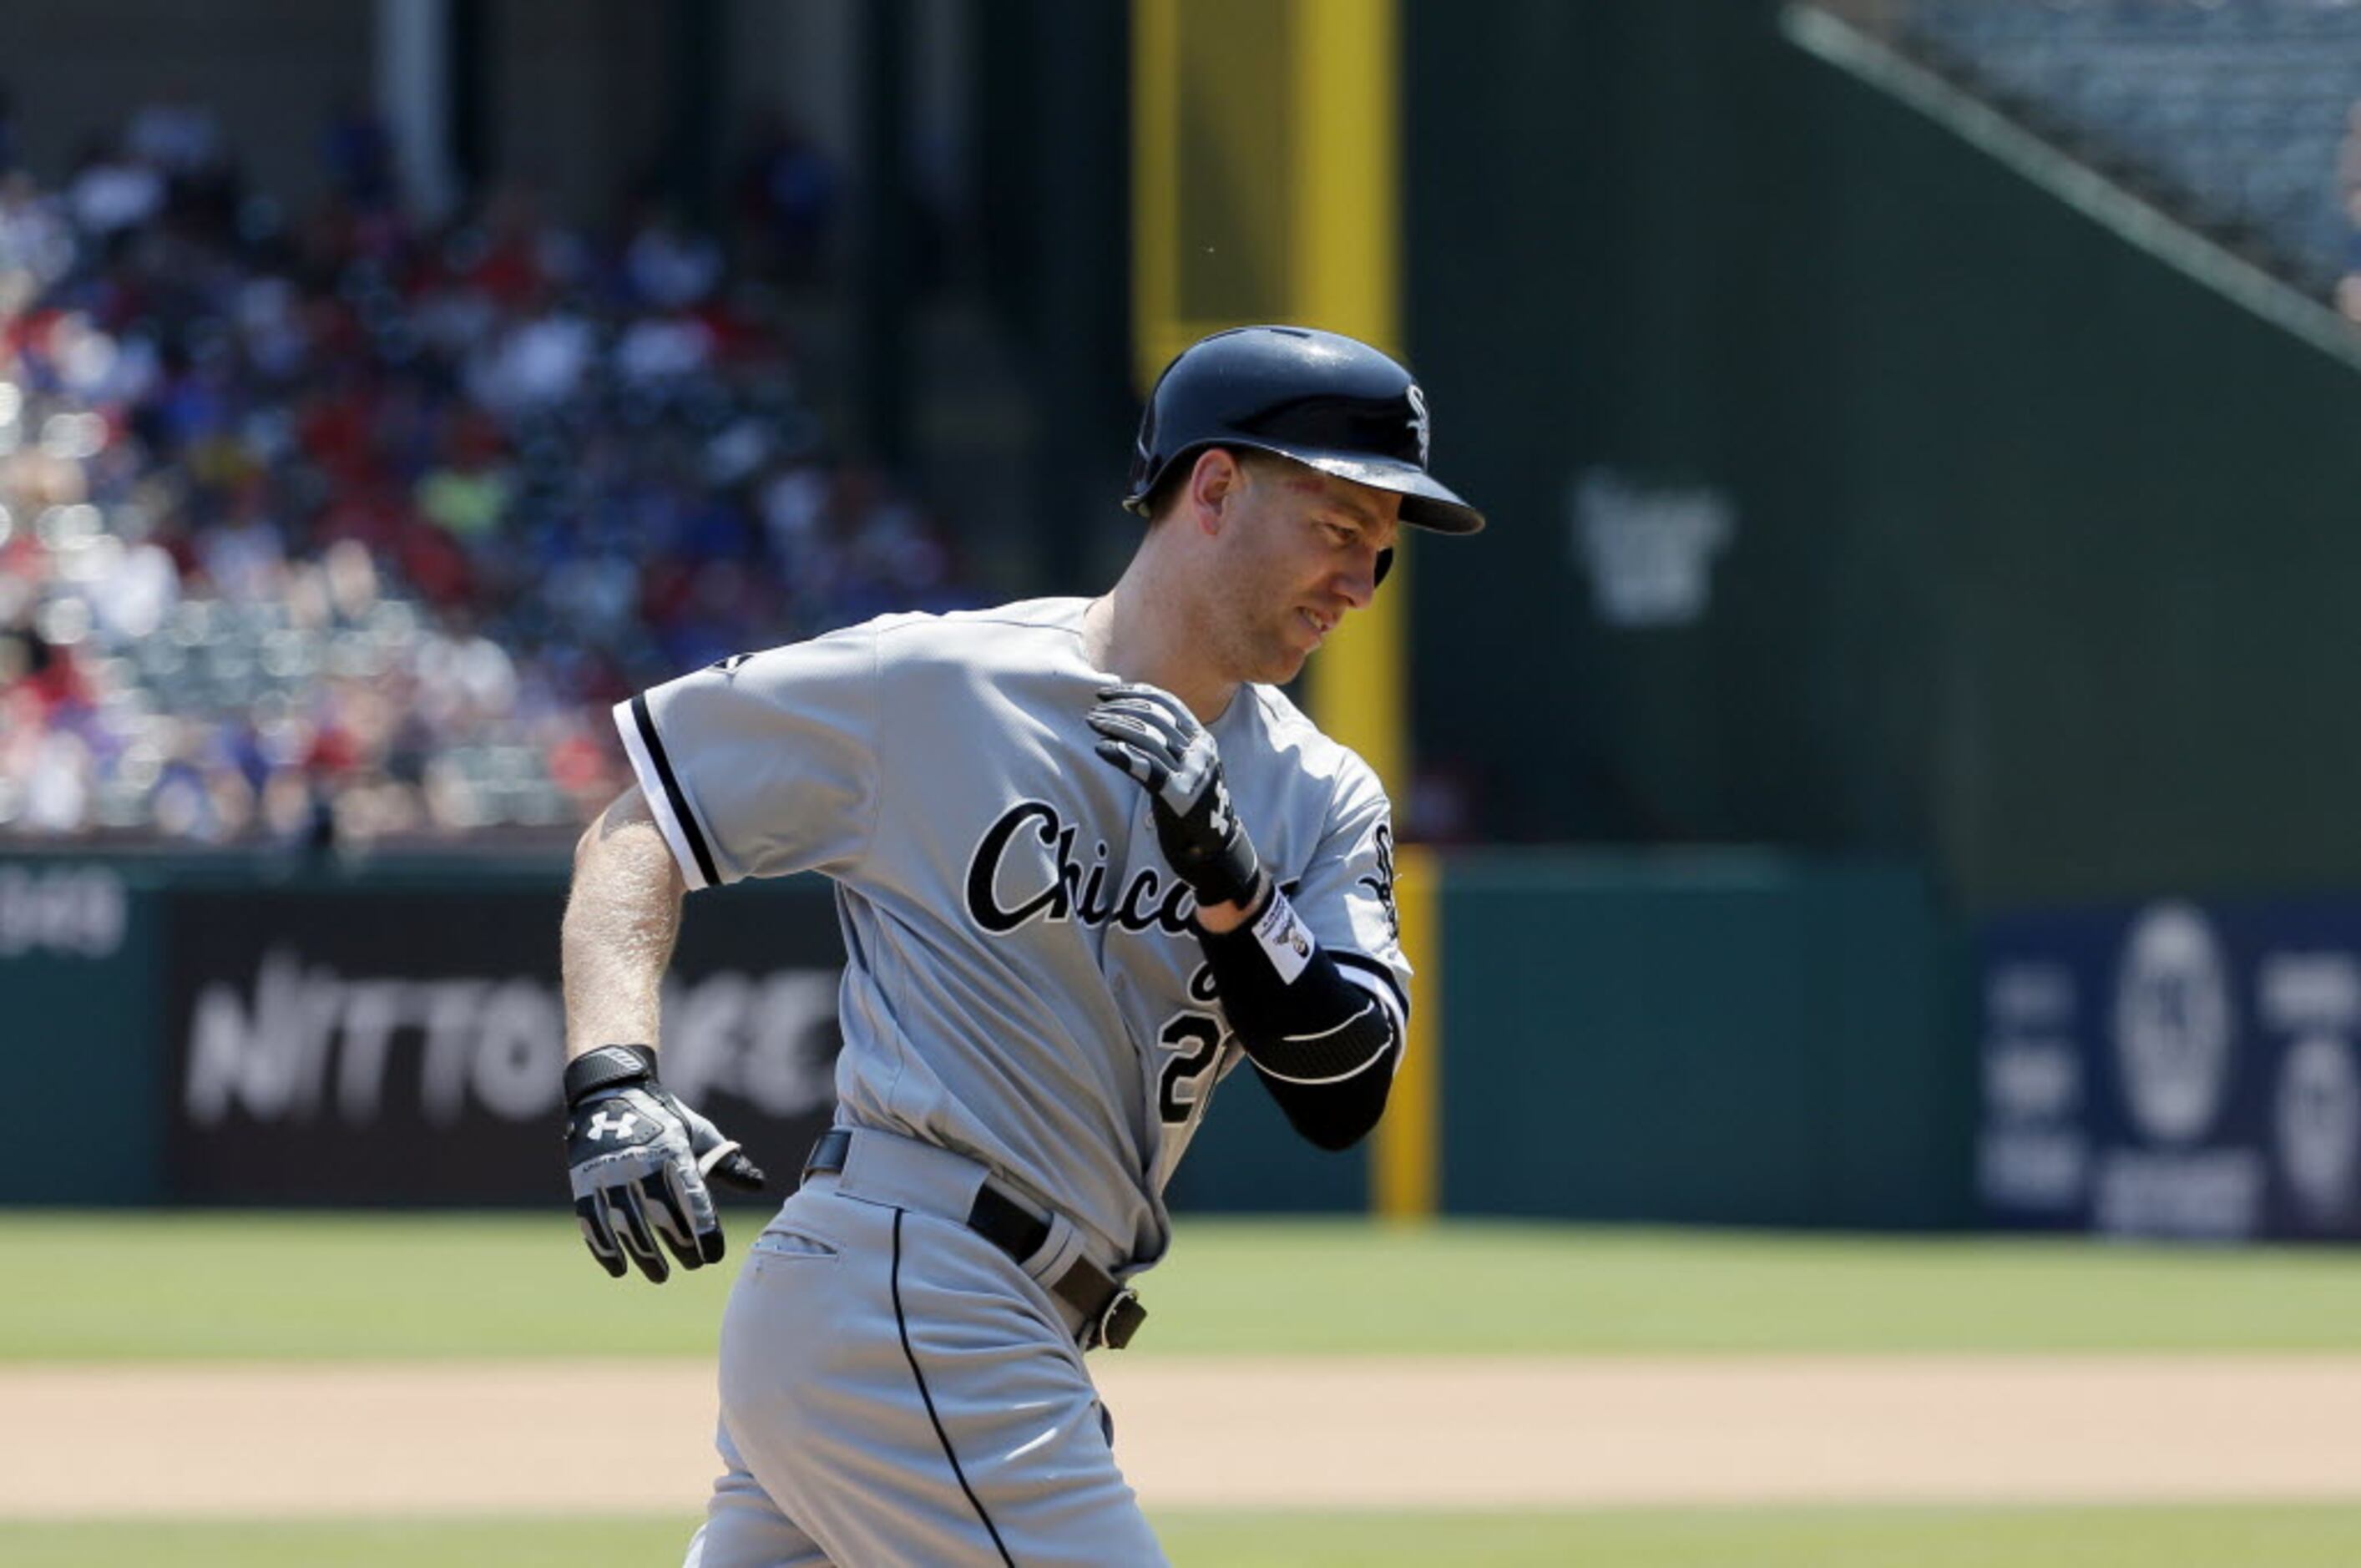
1021,981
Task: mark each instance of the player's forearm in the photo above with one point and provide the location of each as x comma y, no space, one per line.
1324,1043
623,916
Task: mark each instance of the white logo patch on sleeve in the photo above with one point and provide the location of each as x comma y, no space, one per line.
1283,937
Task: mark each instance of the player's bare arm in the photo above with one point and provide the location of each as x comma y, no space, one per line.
622,916
638,1158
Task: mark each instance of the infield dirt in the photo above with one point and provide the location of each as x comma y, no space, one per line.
461,1437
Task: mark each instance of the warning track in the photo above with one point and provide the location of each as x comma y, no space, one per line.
279,1440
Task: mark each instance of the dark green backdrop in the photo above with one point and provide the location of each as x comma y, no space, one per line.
1731,1038
2043,552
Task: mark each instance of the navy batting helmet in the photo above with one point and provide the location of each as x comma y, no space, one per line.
1329,401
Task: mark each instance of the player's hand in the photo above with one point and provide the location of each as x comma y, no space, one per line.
1152,736
639,1161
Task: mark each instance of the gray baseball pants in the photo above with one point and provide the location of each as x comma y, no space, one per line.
896,1389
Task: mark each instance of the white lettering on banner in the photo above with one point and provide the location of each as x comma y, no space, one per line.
222,1040
372,1012
1649,551
453,1007
2027,994
2032,1167
306,1041
2175,1031
271,1061
2032,1080
788,1068
73,911
521,1051
2316,1107
2034,1152
698,1023
765,1040
2208,1195
2318,1110
2310,991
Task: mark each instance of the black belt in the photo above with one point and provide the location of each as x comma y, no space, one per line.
1109,1309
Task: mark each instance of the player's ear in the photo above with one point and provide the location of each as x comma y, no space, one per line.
1214,481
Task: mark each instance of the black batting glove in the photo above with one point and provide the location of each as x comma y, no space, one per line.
1149,734
639,1161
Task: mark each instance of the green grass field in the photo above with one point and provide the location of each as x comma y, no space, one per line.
1637,1538
194,1285
116,1287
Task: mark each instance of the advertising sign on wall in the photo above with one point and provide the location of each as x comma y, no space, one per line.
2174,1069
404,1045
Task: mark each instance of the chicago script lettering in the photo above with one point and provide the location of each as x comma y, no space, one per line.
1060,886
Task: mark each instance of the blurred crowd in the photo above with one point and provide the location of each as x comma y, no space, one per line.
337,528
2348,195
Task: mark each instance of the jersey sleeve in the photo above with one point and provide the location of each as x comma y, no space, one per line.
1346,892
763,764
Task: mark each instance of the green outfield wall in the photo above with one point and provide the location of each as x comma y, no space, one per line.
1747,1038
81,1033
1737,1038
1853,488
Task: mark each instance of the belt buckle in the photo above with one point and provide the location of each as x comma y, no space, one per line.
1120,1318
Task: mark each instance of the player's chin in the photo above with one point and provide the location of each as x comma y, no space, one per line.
1284,663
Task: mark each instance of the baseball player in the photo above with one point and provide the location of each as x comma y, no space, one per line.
1087,859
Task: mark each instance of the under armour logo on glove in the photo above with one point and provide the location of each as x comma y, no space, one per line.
602,1125
637,1160
1222,819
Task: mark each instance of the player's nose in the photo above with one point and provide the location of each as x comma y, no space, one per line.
1357,584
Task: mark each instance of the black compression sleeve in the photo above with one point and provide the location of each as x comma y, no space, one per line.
1337,1115
1324,1043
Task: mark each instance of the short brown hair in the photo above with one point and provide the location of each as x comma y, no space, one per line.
1175,477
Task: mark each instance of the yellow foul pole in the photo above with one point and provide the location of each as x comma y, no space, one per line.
1316,156
1348,280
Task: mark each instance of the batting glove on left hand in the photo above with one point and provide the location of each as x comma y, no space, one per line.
639,1159
1151,735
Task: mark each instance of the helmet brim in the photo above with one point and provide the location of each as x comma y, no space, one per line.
1427,502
